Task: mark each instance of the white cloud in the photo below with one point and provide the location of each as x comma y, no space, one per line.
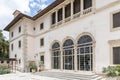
7,7
43,6
33,4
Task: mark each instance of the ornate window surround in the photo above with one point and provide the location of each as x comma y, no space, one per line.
111,21
113,43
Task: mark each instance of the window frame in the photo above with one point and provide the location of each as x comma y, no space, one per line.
12,46
41,43
12,34
41,26
53,18
114,62
111,21
19,43
19,29
113,43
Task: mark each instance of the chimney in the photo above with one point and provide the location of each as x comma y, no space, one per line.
17,12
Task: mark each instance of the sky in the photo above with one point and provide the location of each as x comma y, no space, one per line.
29,7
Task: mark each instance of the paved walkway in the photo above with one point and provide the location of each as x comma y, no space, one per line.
24,76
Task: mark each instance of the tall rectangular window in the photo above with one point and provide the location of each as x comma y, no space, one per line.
116,20
87,4
19,44
116,55
12,34
19,29
76,6
53,18
68,10
60,15
41,26
42,42
42,58
12,46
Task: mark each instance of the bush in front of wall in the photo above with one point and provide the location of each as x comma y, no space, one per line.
112,71
4,69
32,66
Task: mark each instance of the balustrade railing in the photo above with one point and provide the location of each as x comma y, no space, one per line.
77,15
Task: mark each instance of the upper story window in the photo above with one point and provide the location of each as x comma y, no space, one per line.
12,46
34,28
76,6
68,10
116,20
53,18
15,55
19,29
42,58
12,34
42,42
41,26
19,61
19,44
116,55
60,17
87,4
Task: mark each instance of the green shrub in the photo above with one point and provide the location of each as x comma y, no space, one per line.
4,69
112,71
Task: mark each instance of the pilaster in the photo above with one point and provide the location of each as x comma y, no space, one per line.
82,6
75,55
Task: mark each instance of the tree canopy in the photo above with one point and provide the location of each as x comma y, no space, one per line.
4,46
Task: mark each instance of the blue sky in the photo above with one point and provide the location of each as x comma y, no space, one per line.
36,5
29,7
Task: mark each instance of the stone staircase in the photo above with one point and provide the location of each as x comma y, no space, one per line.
69,76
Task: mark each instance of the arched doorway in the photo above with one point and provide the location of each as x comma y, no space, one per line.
68,55
56,56
85,53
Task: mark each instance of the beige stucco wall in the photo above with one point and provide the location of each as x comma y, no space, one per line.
98,24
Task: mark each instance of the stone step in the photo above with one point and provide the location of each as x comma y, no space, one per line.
69,76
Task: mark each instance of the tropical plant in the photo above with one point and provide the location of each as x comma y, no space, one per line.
112,71
4,69
4,46
32,65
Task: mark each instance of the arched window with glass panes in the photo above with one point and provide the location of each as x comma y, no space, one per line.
68,55
56,56
85,53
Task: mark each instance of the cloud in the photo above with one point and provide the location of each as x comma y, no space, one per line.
7,7
40,4
29,7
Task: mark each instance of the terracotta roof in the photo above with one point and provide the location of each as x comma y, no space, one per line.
20,16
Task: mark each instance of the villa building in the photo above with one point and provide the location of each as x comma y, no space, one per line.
68,35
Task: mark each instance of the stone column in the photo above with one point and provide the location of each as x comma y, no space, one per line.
51,59
72,9
56,12
93,6
75,57
63,14
82,6
61,49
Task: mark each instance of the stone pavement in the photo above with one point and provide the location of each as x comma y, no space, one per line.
24,76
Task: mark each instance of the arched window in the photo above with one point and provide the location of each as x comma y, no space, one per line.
56,55
68,55
85,53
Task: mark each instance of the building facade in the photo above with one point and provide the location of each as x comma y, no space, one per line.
68,35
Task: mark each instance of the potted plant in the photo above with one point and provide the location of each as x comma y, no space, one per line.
41,66
32,67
